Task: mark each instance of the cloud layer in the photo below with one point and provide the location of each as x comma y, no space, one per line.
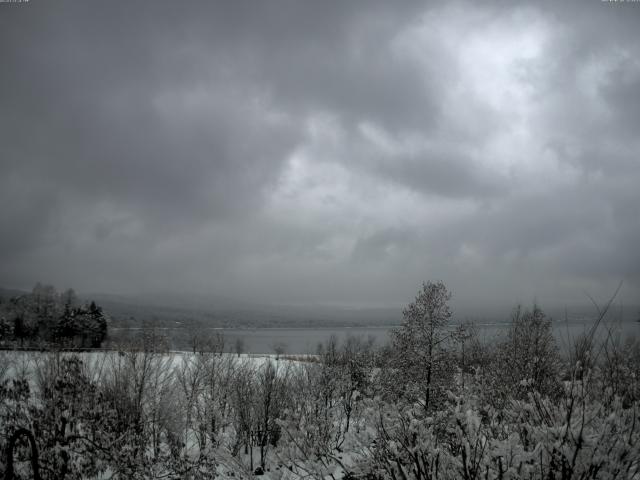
314,152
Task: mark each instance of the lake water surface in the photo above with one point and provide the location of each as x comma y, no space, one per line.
305,340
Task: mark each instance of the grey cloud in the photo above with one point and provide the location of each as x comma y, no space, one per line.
88,120
383,244
149,143
621,92
446,175
25,215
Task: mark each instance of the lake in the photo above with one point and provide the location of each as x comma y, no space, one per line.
305,340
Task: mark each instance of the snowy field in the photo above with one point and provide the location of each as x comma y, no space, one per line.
25,363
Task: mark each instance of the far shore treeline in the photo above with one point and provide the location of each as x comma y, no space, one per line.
48,317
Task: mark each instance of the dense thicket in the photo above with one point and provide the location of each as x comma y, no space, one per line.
435,403
47,317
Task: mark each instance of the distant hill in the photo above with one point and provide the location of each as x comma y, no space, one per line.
175,311
134,311
6,293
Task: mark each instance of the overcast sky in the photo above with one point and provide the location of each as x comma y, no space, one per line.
322,152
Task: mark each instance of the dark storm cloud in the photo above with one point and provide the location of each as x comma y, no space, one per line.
99,108
307,151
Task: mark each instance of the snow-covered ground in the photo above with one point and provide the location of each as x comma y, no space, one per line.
24,363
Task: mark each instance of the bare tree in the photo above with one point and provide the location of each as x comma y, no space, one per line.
529,359
419,354
270,405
